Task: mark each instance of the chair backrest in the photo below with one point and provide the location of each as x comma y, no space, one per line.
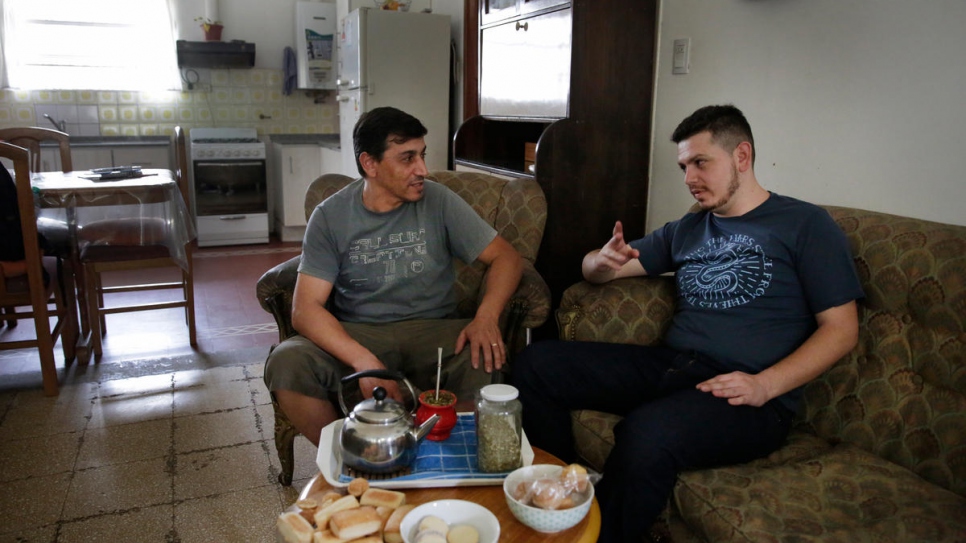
181,163
516,209
28,220
30,138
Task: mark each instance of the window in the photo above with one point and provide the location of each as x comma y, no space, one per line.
89,44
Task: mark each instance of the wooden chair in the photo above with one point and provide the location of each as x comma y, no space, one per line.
118,250
23,283
30,139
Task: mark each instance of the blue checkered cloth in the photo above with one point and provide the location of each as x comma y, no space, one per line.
454,458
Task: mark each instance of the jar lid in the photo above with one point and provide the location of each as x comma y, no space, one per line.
499,393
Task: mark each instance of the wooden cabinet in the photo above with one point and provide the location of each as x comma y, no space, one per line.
497,10
592,161
525,66
296,166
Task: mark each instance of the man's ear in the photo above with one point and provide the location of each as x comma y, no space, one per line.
743,157
368,163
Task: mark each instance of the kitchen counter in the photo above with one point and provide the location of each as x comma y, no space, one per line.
330,141
113,141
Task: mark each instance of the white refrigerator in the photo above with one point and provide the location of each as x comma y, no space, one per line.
398,59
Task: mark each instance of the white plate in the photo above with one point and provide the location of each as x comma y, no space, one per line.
329,460
453,512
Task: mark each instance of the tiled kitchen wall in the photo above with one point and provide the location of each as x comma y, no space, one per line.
234,98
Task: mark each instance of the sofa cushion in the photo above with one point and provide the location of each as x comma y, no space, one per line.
901,393
814,492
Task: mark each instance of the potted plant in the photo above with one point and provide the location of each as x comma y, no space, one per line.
211,28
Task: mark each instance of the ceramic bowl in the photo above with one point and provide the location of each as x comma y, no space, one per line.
545,520
453,512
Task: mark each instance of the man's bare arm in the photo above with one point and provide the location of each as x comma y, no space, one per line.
614,260
836,335
483,332
312,320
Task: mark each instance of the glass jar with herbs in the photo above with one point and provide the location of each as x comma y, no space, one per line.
498,429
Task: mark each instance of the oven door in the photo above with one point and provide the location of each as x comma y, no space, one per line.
230,187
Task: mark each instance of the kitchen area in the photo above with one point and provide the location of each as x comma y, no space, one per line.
260,127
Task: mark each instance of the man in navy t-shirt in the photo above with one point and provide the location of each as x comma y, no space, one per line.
766,302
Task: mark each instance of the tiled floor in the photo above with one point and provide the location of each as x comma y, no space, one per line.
156,442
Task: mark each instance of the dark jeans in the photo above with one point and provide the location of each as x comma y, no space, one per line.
668,426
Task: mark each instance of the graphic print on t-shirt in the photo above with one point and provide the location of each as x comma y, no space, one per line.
379,261
725,272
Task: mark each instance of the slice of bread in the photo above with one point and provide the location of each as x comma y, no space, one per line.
390,533
463,533
323,515
432,523
294,528
383,497
326,536
355,523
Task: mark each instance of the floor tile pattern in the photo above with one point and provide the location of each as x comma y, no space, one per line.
178,456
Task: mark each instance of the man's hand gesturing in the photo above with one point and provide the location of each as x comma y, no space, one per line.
615,259
616,252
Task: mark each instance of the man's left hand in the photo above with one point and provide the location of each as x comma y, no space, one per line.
483,337
738,387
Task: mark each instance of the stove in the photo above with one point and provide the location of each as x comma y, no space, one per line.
207,143
229,186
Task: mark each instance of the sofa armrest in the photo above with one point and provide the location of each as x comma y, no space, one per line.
274,291
534,293
527,308
634,310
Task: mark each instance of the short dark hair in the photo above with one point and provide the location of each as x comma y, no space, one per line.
374,127
726,123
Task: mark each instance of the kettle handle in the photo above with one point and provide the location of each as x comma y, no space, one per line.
378,374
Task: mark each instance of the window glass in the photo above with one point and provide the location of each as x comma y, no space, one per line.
89,44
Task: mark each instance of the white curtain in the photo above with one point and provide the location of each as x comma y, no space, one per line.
89,44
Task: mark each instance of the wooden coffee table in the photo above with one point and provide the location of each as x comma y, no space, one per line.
493,499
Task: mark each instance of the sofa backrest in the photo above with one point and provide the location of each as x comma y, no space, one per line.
516,209
901,393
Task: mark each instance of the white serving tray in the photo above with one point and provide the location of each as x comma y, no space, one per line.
329,460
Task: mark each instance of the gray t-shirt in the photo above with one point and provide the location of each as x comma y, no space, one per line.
397,265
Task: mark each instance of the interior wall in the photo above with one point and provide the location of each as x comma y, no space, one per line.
271,25
856,103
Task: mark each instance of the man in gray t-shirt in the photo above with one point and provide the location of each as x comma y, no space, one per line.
375,284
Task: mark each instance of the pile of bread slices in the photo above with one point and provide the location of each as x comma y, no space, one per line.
363,515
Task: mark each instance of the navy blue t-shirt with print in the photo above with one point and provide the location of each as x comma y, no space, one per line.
749,287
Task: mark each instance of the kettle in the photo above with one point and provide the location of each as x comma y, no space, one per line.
379,435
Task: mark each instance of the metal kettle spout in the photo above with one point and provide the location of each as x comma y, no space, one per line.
425,428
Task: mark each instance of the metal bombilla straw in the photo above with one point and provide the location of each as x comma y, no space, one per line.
439,368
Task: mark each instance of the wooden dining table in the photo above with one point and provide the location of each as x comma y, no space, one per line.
66,202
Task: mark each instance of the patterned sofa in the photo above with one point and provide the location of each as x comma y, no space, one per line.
517,209
878,451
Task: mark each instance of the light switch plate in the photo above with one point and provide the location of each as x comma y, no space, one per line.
681,60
